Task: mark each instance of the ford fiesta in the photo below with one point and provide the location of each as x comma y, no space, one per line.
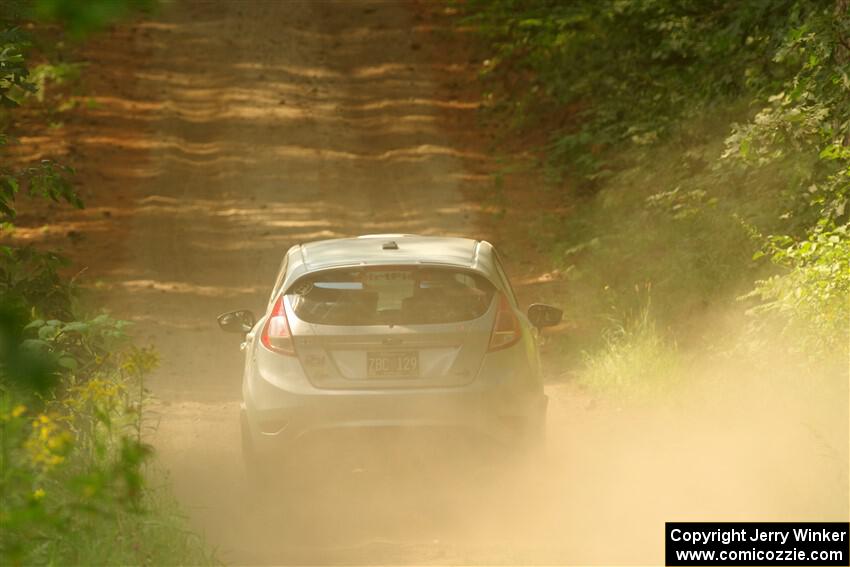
390,332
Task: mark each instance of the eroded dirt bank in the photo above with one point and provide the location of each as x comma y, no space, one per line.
224,132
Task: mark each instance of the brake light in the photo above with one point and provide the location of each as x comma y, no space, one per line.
276,334
506,331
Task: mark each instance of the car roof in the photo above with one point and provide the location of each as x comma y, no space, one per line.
391,249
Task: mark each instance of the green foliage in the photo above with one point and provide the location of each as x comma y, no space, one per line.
700,126
72,481
78,18
625,71
21,368
14,75
53,73
73,463
44,179
810,298
84,17
809,119
29,279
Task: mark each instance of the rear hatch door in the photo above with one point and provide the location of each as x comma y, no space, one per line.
391,327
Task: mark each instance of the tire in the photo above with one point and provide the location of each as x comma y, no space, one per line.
530,442
256,470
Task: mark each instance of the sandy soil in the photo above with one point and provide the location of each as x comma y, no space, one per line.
220,134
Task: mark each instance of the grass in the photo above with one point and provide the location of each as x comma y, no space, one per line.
66,505
77,482
635,361
159,534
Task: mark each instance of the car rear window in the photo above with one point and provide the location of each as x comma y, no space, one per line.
392,296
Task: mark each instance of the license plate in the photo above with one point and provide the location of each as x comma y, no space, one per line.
392,364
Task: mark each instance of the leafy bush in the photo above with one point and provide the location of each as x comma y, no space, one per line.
627,70
72,457
29,279
810,298
697,125
45,178
809,120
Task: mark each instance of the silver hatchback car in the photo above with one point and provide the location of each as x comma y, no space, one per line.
390,332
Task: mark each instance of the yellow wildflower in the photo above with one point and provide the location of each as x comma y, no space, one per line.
48,443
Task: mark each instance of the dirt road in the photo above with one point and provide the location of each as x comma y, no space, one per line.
220,134
277,123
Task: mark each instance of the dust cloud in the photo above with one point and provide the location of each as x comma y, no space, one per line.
739,442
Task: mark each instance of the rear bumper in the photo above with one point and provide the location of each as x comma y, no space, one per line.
466,413
503,403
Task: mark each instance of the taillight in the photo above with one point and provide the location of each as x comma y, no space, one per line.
506,331
276,334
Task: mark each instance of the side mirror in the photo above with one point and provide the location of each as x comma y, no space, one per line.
240,321
542,315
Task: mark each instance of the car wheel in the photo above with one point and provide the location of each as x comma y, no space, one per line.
256,472
531,441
